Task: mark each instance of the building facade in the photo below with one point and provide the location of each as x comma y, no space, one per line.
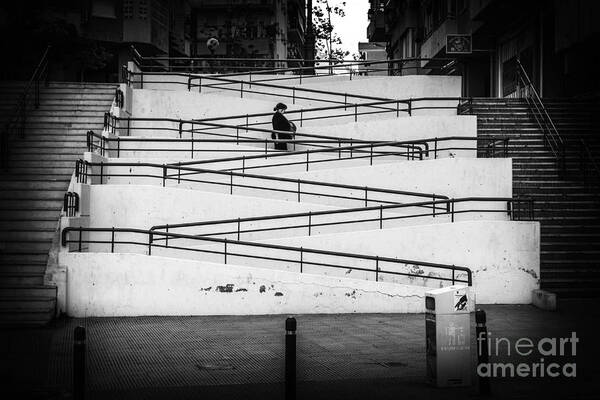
552,40
92,39
249,28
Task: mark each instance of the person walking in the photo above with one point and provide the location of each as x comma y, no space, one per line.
281,124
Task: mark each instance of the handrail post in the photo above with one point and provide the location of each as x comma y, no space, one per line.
435,145
150,240
376,268
112,240
298,190
79,363
238,228
433,203
397,108
164,177
180,128
290,358
301,258
366,194
309,222
371,155
355,112
307,156
410,107
241,90
225,250
452,211
230,182
381,216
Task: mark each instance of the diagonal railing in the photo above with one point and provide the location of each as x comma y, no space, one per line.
552,138
18,118
282,256
297,67
300,189
517,209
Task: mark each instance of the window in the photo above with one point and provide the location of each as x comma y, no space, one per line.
104,9
127,9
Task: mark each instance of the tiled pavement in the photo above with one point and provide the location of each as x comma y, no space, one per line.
339,356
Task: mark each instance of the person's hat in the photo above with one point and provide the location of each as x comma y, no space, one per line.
280,106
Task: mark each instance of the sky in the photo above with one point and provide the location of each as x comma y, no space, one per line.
352,28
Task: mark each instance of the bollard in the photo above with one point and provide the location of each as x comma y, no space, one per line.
290,358
79,363
482,349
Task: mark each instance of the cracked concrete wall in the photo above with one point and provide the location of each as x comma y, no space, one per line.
105,285
502,255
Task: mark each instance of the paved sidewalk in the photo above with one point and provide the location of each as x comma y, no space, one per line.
339,356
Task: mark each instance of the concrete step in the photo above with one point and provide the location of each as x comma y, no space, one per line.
21,278
19,214
28,174
33,194
33,235
31,205
27,224
38,257
27,246
43,151
16,157
45,185
19,268
39,303
27,291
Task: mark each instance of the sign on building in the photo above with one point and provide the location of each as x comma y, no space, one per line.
459,44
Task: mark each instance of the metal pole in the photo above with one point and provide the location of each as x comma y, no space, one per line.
290,358
79,363
481,336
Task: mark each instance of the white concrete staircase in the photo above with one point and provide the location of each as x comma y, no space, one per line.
32,189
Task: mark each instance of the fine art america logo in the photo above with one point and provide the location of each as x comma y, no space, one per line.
525,347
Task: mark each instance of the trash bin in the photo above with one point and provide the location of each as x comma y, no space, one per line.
448,336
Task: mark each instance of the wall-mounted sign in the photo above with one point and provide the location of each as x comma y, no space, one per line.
459,44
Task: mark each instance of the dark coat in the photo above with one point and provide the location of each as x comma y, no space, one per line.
281,123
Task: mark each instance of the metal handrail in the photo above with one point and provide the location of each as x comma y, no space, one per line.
110,124
587,159
295,89
417,142
300,251
82,173
19,115
551,136
353,147
110,121
448,205
138,59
